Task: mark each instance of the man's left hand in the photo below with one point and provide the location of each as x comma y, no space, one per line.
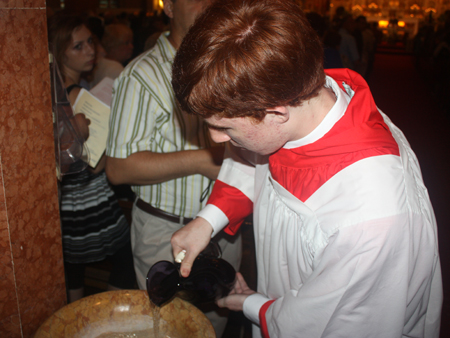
235,300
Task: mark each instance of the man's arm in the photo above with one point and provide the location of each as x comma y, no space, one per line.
136,113
146,167
230,202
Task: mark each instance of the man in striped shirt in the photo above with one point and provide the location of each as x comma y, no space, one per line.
165,154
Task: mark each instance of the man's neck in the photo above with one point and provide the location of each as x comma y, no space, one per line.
306,117
175,37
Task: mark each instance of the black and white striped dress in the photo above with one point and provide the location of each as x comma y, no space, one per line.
93,224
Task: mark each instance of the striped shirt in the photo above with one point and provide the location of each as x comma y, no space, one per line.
145,117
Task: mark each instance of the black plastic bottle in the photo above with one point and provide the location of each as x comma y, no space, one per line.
211,278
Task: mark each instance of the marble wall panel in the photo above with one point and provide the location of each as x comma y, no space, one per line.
22,3
33,275
9,313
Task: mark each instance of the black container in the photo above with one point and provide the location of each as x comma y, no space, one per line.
211,278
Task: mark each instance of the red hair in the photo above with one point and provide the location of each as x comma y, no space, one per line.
242,57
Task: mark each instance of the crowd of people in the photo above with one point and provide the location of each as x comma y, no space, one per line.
431,47
345,234
348,42
163,154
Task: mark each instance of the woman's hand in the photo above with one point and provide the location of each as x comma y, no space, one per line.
235,300
81,125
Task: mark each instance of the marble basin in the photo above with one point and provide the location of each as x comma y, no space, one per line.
125,313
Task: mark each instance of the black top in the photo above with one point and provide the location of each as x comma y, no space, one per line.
69,89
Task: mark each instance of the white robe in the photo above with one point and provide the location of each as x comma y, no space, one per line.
358,257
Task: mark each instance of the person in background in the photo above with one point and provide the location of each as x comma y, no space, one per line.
368,46
332,56
159,25
93,225
338,16
104,67
166,155
345,233
117,41
330,38
348,47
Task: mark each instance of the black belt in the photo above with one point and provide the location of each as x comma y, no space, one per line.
144,206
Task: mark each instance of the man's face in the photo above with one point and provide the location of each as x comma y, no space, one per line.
124,48
184,12
265,137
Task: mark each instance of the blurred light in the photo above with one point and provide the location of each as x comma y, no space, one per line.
401,24
123,308
161,4
383,23
430,10
357,7
415,7
373,5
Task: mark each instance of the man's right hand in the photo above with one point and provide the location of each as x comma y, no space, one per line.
193,238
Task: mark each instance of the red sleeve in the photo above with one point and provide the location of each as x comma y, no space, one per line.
262,318
233,203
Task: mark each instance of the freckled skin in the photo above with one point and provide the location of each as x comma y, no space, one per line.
265,137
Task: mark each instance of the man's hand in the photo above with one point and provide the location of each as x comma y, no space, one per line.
235,300
193,238
212,162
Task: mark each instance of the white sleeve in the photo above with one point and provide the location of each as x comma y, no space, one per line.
215,217
252,305
234,190
238,169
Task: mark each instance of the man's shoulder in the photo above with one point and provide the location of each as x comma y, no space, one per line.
143,61
161,53
150,64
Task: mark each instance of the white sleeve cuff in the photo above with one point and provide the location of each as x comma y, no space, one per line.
215,217
252,305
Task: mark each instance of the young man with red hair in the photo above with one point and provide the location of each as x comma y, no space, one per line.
345,235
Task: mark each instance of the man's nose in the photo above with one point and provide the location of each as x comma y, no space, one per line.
219,136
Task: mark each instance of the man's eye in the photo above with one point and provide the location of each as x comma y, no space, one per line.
78,46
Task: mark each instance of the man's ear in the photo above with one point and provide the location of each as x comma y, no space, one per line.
279,114
168,8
